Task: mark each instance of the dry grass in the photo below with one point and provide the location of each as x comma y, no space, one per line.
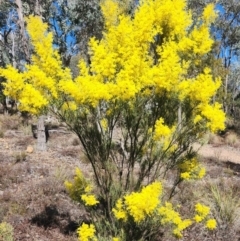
75,141
214,139
221,192
73,152
32,193
232,139
8,122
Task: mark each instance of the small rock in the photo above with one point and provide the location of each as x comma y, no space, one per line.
29,149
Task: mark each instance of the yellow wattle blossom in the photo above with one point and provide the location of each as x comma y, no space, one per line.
78,187
104,124
115,239
122,67
214,115
88,189
71,105
169,216
201,173
111,11
119,211
37,86
211,224
202,40
209,15
161,130
202,88
87,232
138,205
191,169
198,218
202,212
163,134
197,119
186,175
89,200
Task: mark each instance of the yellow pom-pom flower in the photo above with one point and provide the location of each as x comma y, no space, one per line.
211,224
86,232
89,200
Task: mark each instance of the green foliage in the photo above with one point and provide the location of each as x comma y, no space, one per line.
78,186
6,232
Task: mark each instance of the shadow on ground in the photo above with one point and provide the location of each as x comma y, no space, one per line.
51,218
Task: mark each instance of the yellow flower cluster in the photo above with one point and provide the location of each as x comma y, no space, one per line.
104,124
214,115
163,134
170,216
120,212
138,205
202,212
87,232
122,65
209,15
191,169
115,239
89,199
80,189
146,203
69,106
37,86
161,130
77,187
111,10
211,224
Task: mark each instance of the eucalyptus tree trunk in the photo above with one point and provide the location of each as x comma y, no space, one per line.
41,135
21,24
37,8
226,95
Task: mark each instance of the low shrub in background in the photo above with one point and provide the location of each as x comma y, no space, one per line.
6,231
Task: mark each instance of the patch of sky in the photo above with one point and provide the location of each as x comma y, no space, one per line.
61,25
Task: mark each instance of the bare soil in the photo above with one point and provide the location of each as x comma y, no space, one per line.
32,194
222,153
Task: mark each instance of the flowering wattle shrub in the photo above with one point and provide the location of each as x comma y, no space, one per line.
141,213
137,107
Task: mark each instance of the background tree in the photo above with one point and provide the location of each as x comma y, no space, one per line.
227,28
14,47
72,23
226,31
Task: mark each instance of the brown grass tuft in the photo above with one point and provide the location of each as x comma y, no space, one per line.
8,122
